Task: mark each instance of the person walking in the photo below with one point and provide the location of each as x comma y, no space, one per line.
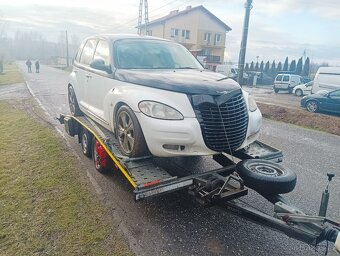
29,65
37,67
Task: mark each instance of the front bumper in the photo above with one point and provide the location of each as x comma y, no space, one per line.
167,138
173,138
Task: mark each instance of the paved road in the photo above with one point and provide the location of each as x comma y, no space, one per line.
265,94
173,224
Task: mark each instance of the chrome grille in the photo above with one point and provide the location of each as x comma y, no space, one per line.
223,126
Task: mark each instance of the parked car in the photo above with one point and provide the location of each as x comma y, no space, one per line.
326,78
303,89
322,101
156,97
227,70
286,82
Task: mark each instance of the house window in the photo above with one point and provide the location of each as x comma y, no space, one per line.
207,37
206,51
174,32
217,38
186,34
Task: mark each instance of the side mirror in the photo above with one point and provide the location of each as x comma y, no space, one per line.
99,64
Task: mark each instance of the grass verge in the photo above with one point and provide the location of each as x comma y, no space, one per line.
11,75
301,117
46,208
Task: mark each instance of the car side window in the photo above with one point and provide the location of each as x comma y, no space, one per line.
278,78
88,51
285,78
102,52
77,57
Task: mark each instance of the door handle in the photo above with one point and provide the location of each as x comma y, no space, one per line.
88,76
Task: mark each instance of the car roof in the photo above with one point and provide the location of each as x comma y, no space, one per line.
329,69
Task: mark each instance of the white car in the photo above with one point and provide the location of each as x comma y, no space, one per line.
286,82
303,89
157,98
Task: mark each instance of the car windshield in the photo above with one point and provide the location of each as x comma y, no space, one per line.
153,54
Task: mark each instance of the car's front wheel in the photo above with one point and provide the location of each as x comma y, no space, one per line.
298,92
312,106
129,134
276,90
73,103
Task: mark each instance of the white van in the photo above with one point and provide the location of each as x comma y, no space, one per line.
227,70
286,82
327,78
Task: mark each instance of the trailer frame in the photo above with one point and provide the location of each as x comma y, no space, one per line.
216,187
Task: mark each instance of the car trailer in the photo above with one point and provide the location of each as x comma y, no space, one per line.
219,186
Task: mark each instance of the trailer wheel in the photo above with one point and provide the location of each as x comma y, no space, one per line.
102,161
129,134
86,142
266,177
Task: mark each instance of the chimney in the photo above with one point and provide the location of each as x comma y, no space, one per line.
173,12
188,7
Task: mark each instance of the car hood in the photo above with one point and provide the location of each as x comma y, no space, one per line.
184,81
315,96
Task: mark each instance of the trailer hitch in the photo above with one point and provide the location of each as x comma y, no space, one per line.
215,187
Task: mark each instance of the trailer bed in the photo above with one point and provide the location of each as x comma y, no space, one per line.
150,175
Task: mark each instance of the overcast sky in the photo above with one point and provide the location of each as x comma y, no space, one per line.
278,28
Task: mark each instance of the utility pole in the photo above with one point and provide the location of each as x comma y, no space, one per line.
242,56
146,17
67,58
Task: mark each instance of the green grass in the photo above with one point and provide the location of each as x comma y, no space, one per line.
301,117
11,75
45,207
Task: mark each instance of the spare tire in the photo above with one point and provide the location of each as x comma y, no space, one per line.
266,177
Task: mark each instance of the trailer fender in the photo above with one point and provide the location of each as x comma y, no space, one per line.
266,177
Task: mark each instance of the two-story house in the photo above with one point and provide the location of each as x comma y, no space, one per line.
197,29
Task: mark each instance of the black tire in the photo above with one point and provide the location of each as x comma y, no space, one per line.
266,177
299,92
276,90
312,106
98,162
86,142
129,134
73,103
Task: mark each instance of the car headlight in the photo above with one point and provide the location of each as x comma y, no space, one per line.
252,103
159,110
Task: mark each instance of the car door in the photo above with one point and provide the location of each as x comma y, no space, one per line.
307,88
83,72
99,85
285,82
278,81
332,102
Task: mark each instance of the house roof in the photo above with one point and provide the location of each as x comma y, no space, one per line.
188,10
